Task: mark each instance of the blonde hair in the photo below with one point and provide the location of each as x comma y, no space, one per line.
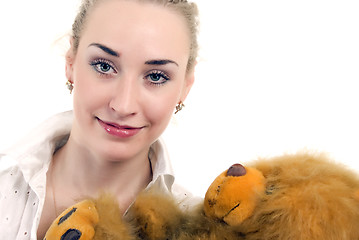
186,9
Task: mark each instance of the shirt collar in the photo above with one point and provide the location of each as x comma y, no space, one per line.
161,166
34,151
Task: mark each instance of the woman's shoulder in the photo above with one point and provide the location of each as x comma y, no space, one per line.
50,129
32,151
7,165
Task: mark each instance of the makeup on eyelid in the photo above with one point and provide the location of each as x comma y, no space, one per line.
102,63
104,67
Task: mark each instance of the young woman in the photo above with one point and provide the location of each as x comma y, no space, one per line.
130,66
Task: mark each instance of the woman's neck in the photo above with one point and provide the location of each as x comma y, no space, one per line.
76,174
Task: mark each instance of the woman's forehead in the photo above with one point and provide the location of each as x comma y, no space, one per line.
133,26
135,15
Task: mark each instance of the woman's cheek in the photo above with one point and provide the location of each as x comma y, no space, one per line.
90,91
160,109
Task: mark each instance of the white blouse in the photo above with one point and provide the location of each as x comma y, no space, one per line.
23,171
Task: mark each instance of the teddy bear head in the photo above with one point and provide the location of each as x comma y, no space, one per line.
234,194
294,196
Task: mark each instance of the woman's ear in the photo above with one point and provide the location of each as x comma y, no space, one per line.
70,58
188,83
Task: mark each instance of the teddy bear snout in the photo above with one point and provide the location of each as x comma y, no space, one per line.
236,170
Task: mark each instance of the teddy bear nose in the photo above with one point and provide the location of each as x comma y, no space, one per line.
236,170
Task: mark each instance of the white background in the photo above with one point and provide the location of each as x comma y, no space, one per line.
273,77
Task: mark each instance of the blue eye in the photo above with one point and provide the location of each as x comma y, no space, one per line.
157,77
103,66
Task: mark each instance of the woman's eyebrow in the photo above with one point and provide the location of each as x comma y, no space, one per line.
160,62
105,49
115,54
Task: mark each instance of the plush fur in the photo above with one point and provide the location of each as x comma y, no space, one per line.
292,197
307,197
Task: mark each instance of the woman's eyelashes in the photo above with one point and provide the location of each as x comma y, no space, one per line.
157,77
106,68
103,67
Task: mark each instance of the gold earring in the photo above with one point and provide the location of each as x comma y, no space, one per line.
179,107
69,85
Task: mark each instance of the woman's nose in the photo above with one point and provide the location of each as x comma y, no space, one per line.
124,101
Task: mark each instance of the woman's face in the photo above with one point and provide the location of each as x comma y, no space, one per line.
129,73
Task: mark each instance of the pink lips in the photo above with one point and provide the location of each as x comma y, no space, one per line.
118,130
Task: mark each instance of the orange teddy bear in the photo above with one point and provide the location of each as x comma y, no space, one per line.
300,196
